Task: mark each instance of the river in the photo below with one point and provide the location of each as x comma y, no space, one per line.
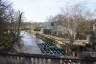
29,43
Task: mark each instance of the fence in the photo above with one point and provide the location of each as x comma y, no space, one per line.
24,58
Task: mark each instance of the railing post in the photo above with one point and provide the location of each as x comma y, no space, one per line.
44,61
40,60
32,61
49,61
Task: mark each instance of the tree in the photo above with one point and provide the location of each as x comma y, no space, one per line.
10,23
78,22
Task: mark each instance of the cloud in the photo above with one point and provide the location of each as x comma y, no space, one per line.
38,10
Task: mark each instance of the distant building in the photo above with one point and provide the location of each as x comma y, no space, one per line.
57,30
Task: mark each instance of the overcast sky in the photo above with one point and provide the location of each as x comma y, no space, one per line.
39,10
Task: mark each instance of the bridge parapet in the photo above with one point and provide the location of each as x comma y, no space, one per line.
24,58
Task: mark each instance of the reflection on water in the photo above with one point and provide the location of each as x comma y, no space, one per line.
29,43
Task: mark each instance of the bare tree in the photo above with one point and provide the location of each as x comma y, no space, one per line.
10,23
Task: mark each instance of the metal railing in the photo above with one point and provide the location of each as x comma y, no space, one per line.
24,58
